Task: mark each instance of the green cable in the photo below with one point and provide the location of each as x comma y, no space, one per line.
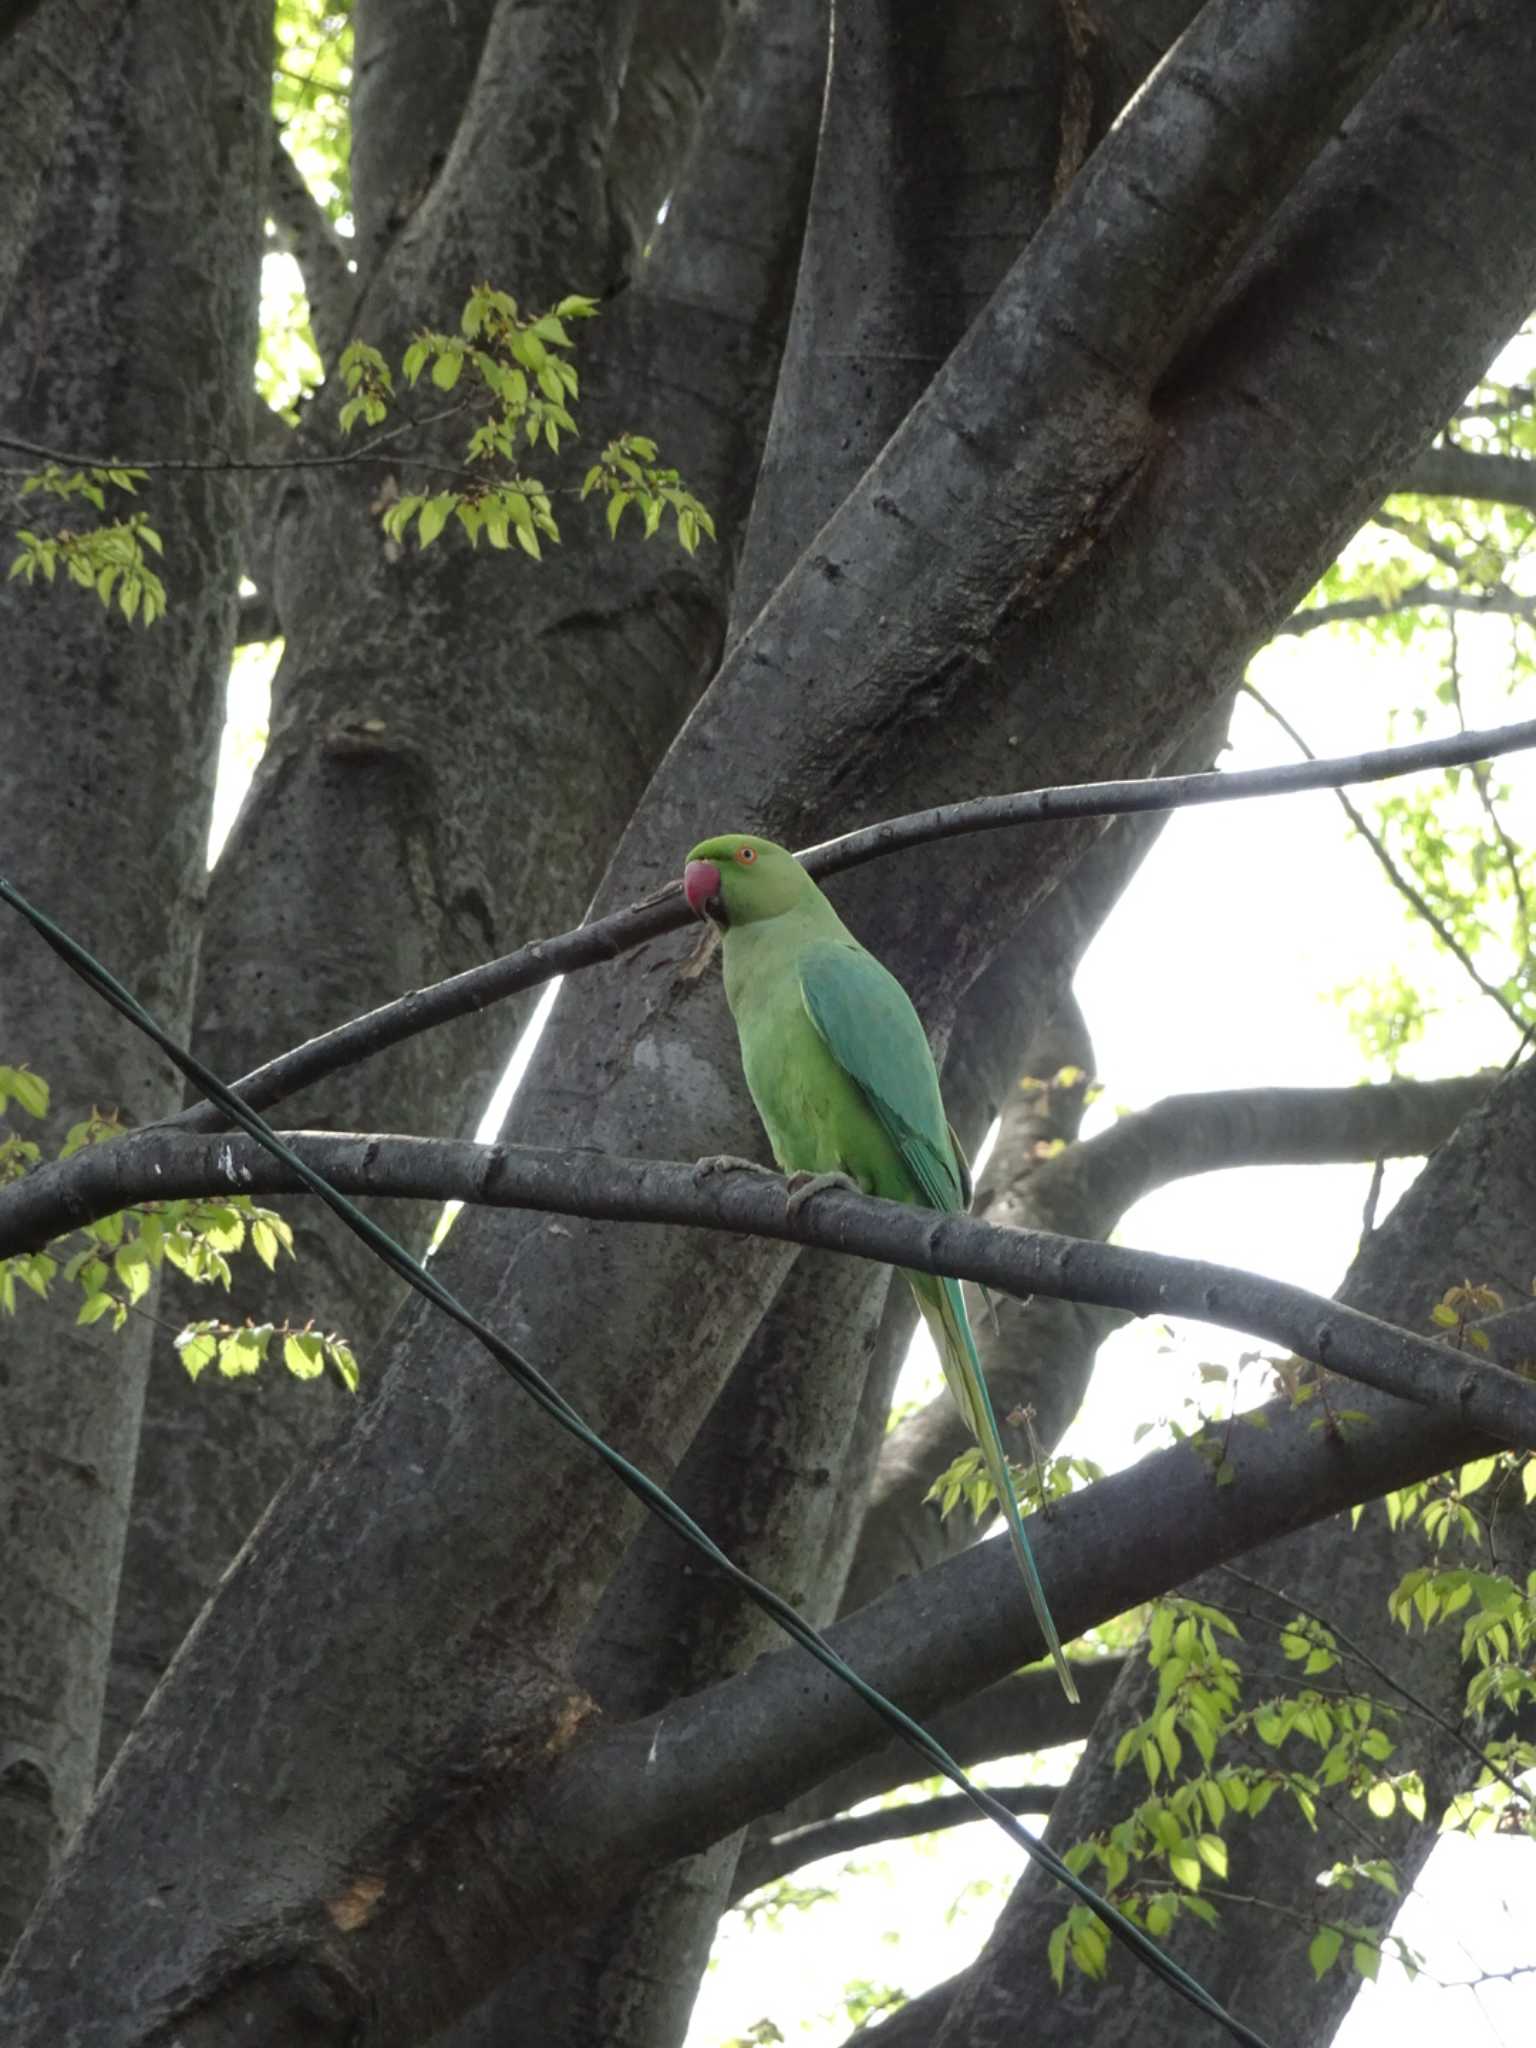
654,1497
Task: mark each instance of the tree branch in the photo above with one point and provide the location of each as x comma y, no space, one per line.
1042,1352
159,1164
1418,597
1465,473
306,234
1403,884
680,1778
763,1862
1207,1133
1020,1715
461,995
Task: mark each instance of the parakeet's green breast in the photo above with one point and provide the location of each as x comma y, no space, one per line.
816,1116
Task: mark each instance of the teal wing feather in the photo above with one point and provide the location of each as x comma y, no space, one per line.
866,1020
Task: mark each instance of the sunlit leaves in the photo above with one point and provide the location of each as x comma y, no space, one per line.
311,87
510,368
109,559
114,1260
241,1349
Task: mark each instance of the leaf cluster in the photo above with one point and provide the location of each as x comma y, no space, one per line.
116,1258
516,373
109,558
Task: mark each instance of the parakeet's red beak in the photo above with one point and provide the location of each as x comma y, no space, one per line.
701,886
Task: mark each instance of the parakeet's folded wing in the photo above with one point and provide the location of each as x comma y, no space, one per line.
866,1021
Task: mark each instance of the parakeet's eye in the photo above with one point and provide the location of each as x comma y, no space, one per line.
746,855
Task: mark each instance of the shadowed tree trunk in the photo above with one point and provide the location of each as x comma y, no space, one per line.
131,329
1471,1212
456,742
1031,537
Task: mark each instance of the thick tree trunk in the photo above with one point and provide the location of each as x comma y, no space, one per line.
130,332
1053,544
1471,1212
457,738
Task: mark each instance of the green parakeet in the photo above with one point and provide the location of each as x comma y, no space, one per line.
838,1065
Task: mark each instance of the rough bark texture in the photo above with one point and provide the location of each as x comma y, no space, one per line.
903,605
456,738
131,327
936,197
48,60
1471,1212
1070,544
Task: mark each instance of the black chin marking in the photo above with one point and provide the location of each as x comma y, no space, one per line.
714,910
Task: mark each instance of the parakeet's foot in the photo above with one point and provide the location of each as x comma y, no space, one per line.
727,1162
803,1186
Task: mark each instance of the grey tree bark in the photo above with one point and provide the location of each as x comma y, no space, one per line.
1471,1212
454,742
1071,542
107,762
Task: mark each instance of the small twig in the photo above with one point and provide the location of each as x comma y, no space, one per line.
1405,887
1419,597
367,451
1490,810
1363,1656
1415,535
775,1858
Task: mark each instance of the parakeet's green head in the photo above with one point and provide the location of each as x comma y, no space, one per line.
736,880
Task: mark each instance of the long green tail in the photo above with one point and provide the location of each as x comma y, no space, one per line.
944,1312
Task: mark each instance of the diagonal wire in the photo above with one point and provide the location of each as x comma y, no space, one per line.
654,1497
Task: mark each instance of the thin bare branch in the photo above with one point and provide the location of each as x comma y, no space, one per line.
1418,597
605,938
1388,1678
764,1862
1403,884
367,451
1465,473
161,1164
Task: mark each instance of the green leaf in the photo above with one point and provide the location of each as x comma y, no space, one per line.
264,1244
304,1355
1213,1854
131,1264
197,1346
94,1307
1090,1947
29,1089
445,371
1323,1950
1056,1954
434,516
1478,1473
1367,1958
240,1354
344,1362
415,360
